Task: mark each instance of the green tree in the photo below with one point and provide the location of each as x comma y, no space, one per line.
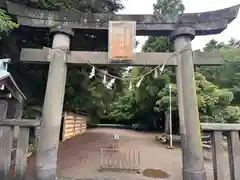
98,6
227,74
146,94
163,7
214,103
142,99
81,93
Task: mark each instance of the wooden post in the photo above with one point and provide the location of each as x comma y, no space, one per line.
6,136
53,105
14,111
218,155
193,167
234,154
22,151
3,109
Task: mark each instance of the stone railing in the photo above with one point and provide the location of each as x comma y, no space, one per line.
219,152
13,162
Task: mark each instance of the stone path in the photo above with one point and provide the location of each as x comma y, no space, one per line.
79,157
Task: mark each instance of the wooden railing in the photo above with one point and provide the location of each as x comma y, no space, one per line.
6,141
73,125
120,160
233,149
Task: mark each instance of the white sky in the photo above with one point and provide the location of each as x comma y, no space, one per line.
146,7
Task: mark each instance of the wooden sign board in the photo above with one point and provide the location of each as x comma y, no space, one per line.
121,41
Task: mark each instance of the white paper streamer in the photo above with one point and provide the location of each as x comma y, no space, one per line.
139,82
110,84
92,74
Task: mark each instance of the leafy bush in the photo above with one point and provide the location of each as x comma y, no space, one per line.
5,22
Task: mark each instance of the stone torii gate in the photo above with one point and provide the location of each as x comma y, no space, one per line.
181,29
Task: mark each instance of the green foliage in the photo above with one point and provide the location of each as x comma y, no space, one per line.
124,108
218,88
81,94
94,6
141,106
214,45
162,103
212,101
231,114
157,44
227,75
170,7
5,22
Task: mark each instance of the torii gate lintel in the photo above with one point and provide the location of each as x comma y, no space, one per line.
78,58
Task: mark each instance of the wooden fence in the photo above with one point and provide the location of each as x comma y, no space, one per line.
120,160
73,125
233,149
17,161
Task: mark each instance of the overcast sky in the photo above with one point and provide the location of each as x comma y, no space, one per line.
146,7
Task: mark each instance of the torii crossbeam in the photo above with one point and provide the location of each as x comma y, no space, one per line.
101,58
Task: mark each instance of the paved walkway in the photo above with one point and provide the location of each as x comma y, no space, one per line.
79,157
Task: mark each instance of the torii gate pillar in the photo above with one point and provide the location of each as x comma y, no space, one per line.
46,164
193,163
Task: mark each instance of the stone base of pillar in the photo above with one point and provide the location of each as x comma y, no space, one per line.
46,174
194,175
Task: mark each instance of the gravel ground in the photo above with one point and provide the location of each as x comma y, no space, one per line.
79,157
